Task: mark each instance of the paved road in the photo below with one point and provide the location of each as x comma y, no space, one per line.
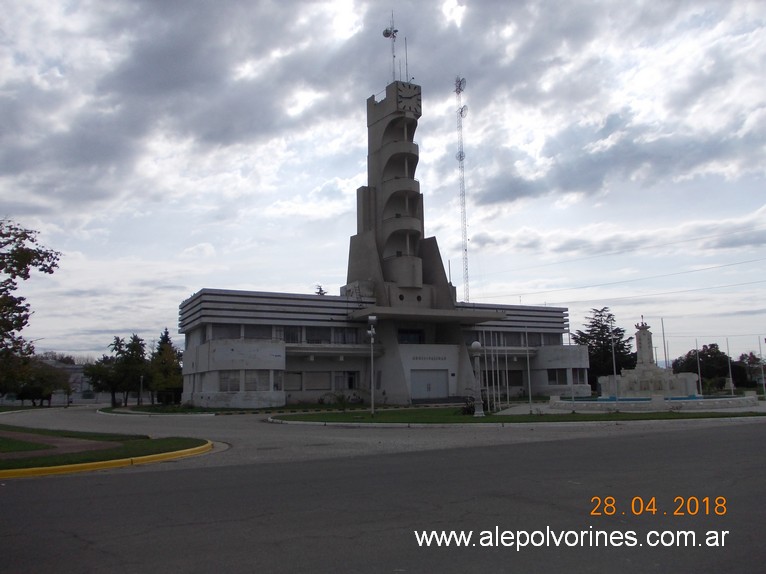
323,499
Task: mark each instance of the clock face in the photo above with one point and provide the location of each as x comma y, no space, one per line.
408,98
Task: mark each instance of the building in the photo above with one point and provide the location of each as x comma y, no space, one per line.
255,349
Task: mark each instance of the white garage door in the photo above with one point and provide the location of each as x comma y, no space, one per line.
429,384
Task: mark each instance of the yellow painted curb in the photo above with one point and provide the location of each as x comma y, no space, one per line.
117,463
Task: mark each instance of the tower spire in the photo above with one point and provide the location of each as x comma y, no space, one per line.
390,32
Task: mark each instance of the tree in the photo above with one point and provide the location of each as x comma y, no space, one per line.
599,335
753,365
713,365
165,366
19,255
102,376
40,380
123,372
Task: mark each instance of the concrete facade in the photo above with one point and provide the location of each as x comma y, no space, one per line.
264,349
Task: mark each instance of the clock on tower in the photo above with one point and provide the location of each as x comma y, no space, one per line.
408,98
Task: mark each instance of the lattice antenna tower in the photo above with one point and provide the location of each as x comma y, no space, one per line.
391,32
461,113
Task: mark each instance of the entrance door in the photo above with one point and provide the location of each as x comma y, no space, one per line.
429,384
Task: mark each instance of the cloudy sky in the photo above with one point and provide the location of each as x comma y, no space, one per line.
615,154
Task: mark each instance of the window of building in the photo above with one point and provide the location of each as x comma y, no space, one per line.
346,380
228,381
292,334
278,380
195,337
551,339
258,332
557,376
317,381
411,337
318,335
287,333
256,380
293,381
535,339
513,339
469,337
345,335
579,376
226,332
515,378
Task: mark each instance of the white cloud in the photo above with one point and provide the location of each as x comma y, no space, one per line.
167,147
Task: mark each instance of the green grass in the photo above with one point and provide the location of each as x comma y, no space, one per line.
452,415
16,445
126,446
181,409
74,434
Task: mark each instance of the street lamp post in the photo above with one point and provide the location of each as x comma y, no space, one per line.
478,402
372,320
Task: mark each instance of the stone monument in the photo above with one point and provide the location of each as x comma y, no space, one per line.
647,379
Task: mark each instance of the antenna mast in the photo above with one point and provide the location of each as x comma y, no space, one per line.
461,113
390,32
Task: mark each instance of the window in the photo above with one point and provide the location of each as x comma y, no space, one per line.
257,331
292,334
317,381
346,380
513,339
257,380
345,335
226,331
535,340
195,337
293,381
228,381
557,376
318,335
287,333
579,376
551,339
411,336
470,336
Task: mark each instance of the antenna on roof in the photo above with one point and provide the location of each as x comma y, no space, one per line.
390,32
406,62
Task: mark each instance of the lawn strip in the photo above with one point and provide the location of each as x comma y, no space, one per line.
72,434
8,444
453,415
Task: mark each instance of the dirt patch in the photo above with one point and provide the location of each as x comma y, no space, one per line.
58,444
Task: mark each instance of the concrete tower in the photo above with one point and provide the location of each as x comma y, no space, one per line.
421,351
389,258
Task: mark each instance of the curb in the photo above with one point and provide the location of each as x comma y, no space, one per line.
511,425
106,464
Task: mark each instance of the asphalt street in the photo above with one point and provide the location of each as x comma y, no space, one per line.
284,498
